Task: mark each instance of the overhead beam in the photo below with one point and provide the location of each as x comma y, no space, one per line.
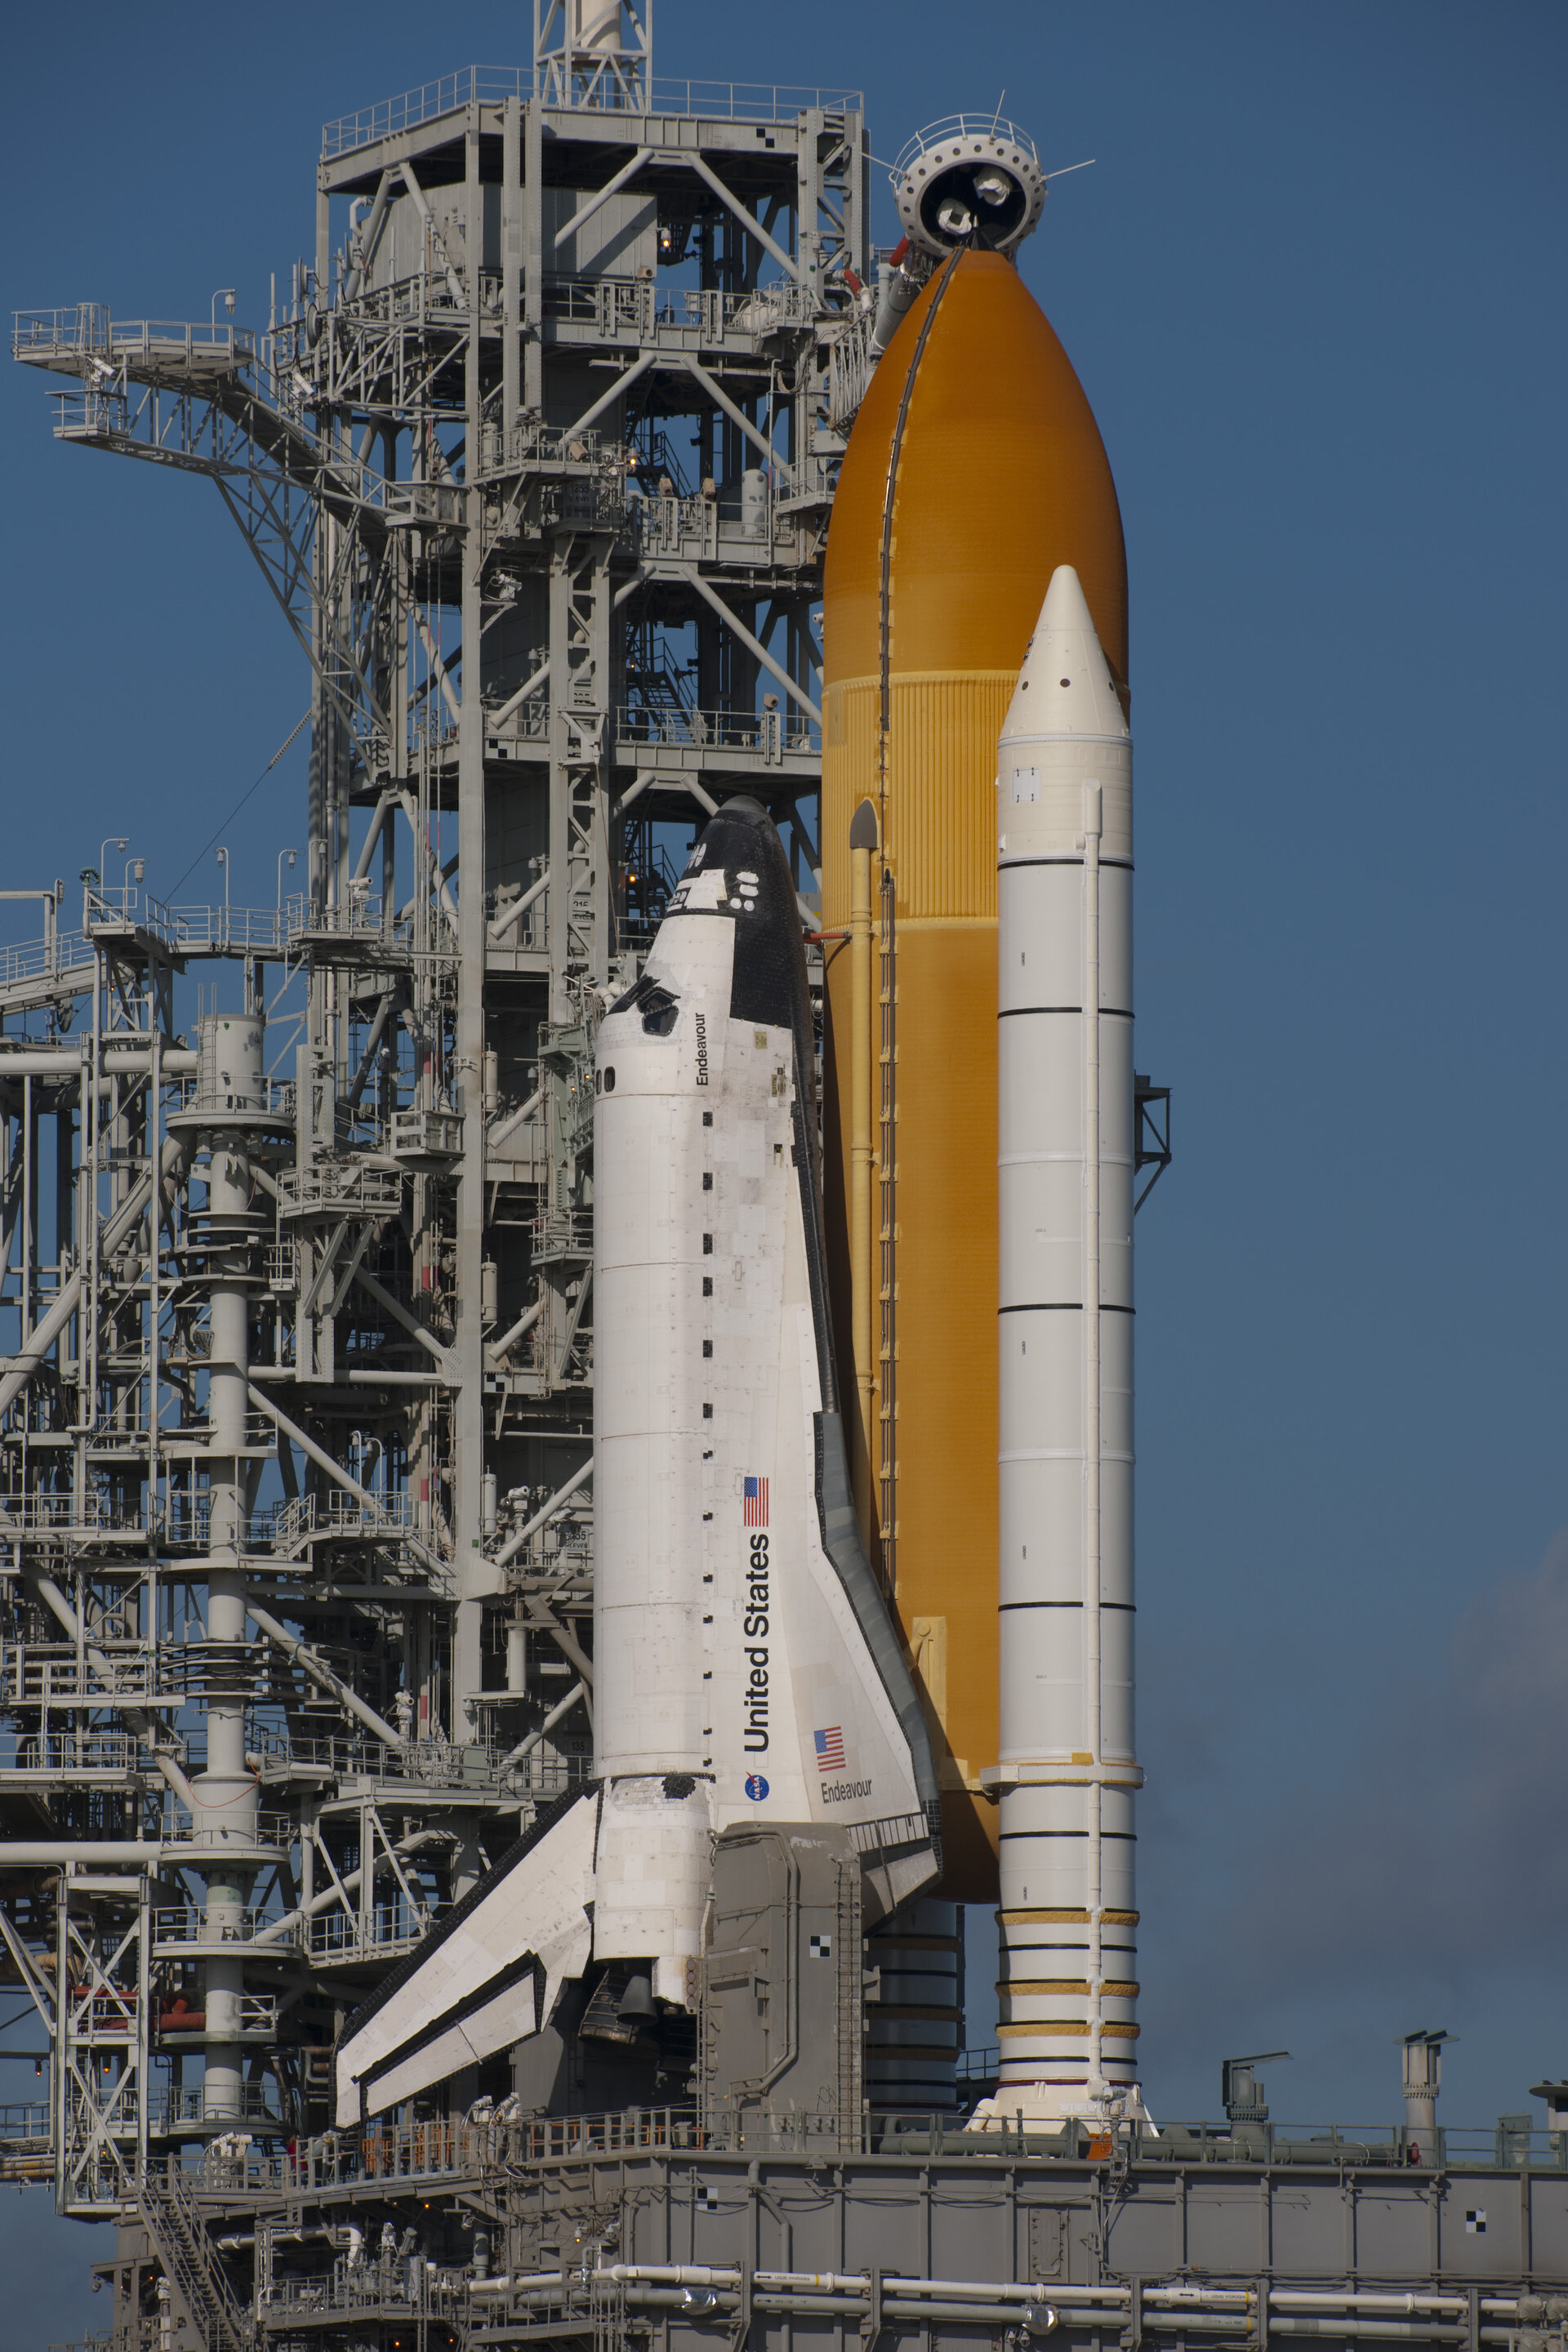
370,237
775,669
279,1931
299,1653
324,1461
400,1314
126,1218
514,1544
520,1330
515,702
526,1747
496,1136
737,416
422,844
145,1725
520,905
448,692
622,383
454,283
611,187
727,197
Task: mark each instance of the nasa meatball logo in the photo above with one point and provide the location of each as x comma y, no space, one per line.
756,1787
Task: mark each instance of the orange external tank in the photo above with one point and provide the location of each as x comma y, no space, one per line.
974,470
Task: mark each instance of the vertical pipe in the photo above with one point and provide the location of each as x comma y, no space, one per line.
29,1208
91,1148
862,842
388,919
225,1791
66,1261
468,1404
558,897
511,271
533,254
153,1139
325,726
84,1210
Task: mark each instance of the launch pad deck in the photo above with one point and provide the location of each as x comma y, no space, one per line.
629,2226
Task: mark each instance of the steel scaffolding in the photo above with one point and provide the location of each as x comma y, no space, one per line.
536,455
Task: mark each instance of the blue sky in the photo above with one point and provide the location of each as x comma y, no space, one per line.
1313,287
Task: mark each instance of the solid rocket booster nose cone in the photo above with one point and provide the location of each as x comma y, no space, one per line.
1065,688
1066,605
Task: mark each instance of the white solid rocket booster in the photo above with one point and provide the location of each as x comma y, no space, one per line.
1065,1153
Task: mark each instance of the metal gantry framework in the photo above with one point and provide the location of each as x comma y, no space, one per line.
536,456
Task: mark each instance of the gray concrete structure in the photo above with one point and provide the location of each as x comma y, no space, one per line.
628,2229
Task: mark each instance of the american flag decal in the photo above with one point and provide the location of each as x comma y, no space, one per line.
829,1749
755,1514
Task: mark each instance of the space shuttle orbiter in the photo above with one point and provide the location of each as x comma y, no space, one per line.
747,1675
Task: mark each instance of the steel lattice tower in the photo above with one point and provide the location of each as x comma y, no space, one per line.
536,455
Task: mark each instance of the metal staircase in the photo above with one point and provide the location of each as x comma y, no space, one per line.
191,2264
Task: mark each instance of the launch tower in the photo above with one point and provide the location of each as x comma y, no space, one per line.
536,455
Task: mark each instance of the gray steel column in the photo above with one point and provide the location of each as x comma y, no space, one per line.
558,897
511,230
225,1791
533,254
469,1402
